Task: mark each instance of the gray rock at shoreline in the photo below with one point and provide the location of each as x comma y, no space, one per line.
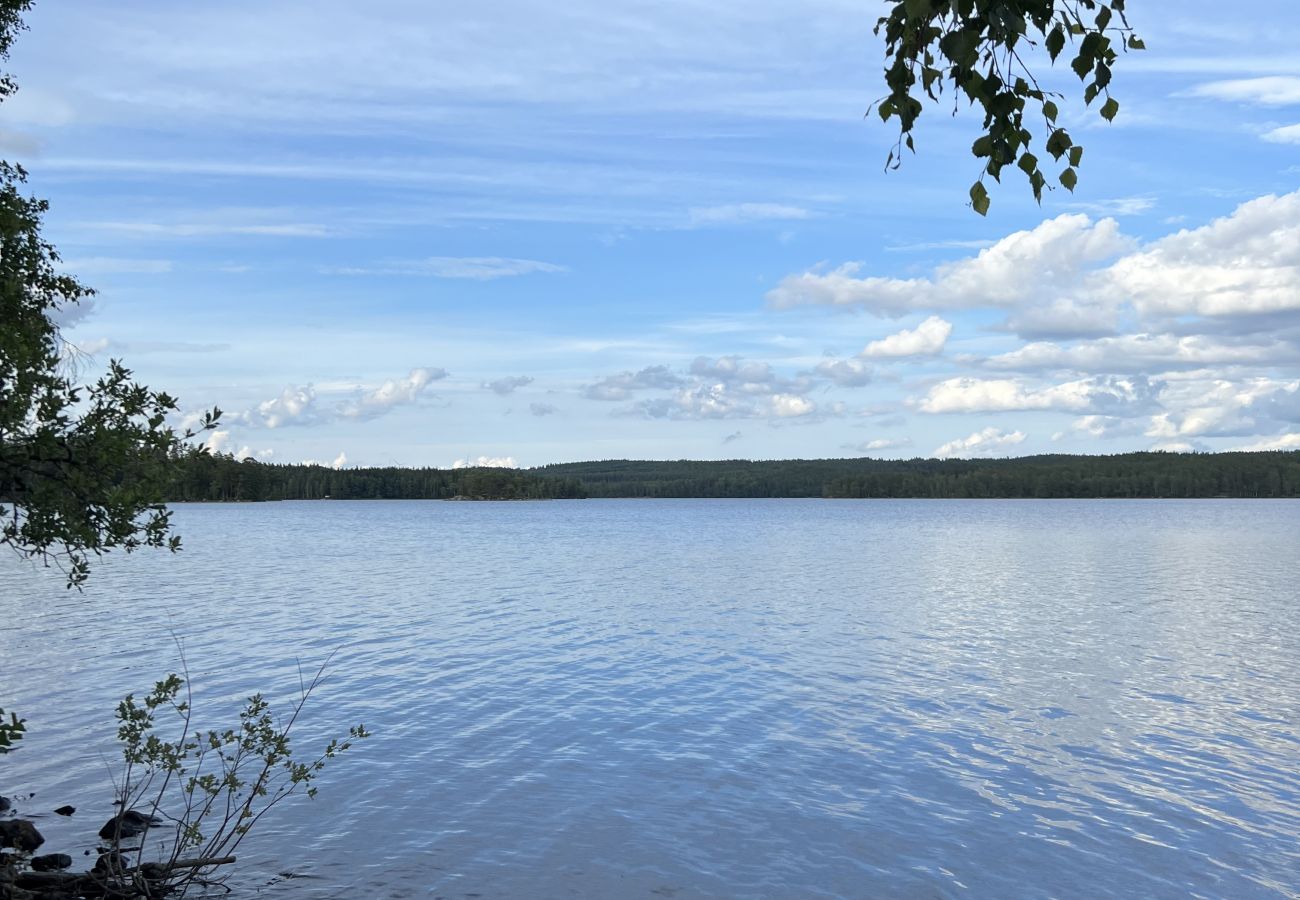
20,834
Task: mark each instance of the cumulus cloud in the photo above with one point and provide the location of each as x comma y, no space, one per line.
845,372
1072,278
722,401
294,406
1103,427
509,384
1024,266
988,442
1201,406
339,461
394,392
1244,263
877,444
926,339
486,462
1099,394
1277,442
1142,352
623,385
745,376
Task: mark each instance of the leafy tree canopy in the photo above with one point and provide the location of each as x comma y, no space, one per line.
982,50
82,468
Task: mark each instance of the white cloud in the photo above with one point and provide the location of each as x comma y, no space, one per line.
926,339
1116,206
1275,90
1278,442
486,462
722,401
845,372
1096,394
988,442
394,392
624,384
879,444
508,384
339,461
1022,267
476,268
542,409
745,376
1142,352
1104,427
743,213
1286,134
1244,263
294,406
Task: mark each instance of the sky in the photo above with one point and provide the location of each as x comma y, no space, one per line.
401,233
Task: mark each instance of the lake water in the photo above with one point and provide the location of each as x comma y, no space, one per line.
738,698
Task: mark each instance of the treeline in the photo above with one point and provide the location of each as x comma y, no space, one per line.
1269,474
222,478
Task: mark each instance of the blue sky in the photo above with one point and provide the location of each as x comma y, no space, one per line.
398,234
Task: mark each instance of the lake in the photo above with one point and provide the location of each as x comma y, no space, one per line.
698,698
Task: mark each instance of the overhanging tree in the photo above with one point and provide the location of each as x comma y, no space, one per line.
983,51
82,468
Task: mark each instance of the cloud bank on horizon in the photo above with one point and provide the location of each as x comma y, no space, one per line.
510,237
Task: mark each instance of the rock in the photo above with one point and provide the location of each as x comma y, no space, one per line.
5,803
51,862
128,824
112,861
20,834
65,810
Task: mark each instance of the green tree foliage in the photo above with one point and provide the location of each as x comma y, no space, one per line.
1128,475
81,467
982,50
221,478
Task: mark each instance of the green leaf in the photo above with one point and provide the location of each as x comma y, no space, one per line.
983,146
1056,42
917,9
1109,109
1050,110
1058,142
1103,18
1135,43
1076,155
1028,163
979,198
1069,178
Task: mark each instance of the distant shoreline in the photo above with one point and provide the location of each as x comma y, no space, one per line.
1133,476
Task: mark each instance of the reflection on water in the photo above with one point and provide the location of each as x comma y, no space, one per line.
717,698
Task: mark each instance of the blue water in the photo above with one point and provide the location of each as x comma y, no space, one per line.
714,698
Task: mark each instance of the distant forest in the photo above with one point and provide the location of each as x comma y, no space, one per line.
219,477
1271,474
1125,475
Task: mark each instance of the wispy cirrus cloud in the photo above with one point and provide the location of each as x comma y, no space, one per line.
744,214
475,268
1269,90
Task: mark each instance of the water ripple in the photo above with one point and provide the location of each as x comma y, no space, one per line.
717,698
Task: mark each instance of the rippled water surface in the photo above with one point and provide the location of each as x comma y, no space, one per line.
715,698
